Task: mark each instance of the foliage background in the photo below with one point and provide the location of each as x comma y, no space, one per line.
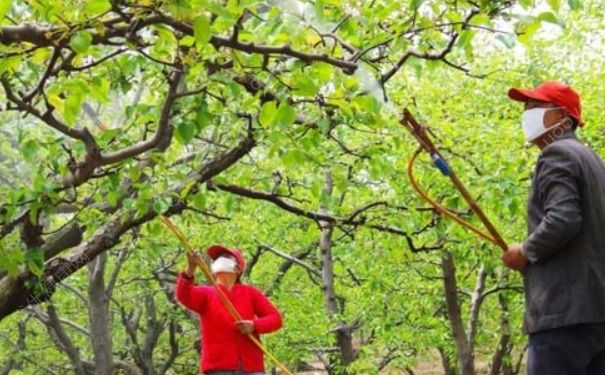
393,296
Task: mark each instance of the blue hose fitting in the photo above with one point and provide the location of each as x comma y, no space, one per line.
441,164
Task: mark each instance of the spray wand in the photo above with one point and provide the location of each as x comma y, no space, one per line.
420,133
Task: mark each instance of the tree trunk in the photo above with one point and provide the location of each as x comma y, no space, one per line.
14,362
98,312
450,289
446,363
476,301
344,337
499,365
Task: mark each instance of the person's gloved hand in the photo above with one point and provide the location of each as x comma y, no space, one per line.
514,258
245,327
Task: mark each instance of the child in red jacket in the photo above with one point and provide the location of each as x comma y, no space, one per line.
226,348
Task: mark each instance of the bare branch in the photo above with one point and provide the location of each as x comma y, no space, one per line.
291,258
425,55
163,134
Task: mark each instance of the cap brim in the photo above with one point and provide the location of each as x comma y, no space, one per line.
215,250
523,95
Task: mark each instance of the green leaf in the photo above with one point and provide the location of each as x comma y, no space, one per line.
415,4
225,13
5,6
550,17
34,259
56,102
267,114
319,9
554,4
165,42
199,201
71,108
285,115
97,6
229,203
99,89
28,149
185,132
316,188
187,41
201,31
526,3
80,41
203,119
10,64
185,192
11,260
273,13
465,38
527,30
575,4
367,103
294,157
322,71
112,197
162,204
481,19
305,86
507,40
135,174
454,16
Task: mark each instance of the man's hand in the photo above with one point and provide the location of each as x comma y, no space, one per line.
514,258
193,259
245,327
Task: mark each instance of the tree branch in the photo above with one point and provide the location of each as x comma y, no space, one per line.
14,295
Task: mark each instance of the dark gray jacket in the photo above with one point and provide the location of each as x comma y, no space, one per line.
565,280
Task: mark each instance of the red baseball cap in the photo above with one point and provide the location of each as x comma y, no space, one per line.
555,92
215,250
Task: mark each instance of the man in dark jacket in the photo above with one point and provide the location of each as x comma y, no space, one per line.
563,257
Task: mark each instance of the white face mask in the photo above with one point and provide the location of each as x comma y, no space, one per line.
223,264
533,123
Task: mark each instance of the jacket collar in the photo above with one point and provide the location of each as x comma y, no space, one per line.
570,134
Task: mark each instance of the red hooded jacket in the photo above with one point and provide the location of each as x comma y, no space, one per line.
223,346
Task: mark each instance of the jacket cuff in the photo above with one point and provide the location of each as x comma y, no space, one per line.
184,276
528,252
255,323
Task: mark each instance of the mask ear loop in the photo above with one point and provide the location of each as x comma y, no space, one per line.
563,122
569,121
567,118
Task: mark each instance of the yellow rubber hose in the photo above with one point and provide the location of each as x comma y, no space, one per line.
439,207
